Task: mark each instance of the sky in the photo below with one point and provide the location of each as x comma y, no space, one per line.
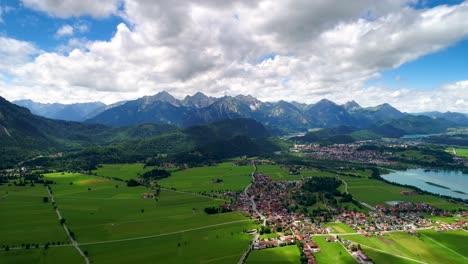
409,53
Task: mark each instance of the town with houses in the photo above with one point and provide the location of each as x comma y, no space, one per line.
267,202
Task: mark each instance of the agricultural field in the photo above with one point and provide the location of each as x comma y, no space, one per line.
204,179
279,173
412,247
115,223
287,254
26,218
65,254
455,240
376,192
216,245
121,171
332,252
98,209
340,228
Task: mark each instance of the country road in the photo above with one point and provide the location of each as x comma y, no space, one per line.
254,207
72,240
344,182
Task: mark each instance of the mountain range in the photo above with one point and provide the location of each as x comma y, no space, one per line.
24,135
200,109
69,112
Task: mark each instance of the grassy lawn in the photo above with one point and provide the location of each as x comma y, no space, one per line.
340,227
67,255
410,246
215,245
25,218
122,171
332,252
287,254
376,192
202,179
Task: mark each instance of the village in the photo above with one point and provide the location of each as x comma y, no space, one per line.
271,204
360,152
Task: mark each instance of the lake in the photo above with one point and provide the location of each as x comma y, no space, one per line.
449,181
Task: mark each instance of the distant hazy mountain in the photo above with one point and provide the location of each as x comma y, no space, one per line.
284,116
394,128
458,118
69,112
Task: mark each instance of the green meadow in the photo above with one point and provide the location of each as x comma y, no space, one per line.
26,219
416,248
455,240
66,254
279,173
99,209
376,192
203,179
122,171
287,254
331,252
114,223
220,245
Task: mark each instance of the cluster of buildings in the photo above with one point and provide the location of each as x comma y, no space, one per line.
271,203
346,152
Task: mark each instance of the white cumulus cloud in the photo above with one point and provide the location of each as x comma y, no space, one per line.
65,30
322,49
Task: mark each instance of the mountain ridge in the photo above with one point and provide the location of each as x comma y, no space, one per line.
200,109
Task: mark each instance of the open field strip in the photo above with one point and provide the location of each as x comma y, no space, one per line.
114,223
165,234
204,179
67,231
375,192
445,247
122,171
414,247
332,252
393,254
286,254
197,194
26,218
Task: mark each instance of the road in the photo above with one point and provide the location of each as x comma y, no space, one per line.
254,207
246,253
367,205
345,184
72,240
